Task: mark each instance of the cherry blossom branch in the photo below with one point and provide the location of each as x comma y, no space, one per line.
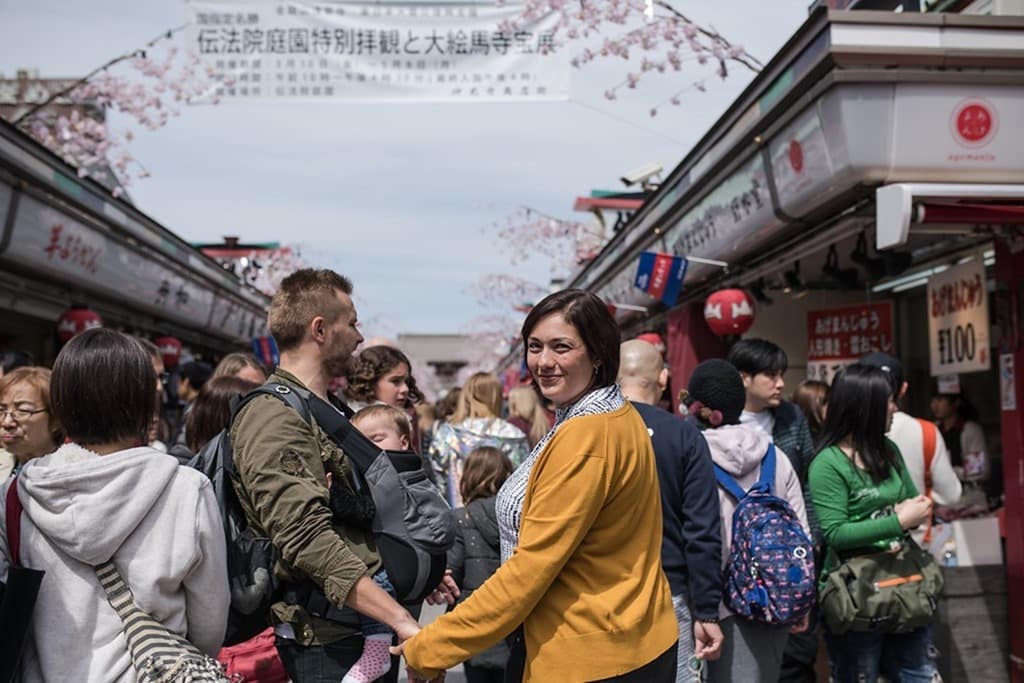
141,52
82,137
528,233
736,52
666,41
508,292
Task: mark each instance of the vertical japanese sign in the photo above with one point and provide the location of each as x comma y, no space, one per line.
958,320
837,337
382,51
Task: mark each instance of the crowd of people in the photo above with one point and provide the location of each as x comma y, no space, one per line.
596,536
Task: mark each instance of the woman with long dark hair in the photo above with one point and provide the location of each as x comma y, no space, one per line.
866,503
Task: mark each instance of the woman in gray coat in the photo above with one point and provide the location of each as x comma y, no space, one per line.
475,554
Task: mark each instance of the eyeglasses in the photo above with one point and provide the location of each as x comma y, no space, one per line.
19,413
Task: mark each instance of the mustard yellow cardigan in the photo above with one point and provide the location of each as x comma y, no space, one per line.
586,580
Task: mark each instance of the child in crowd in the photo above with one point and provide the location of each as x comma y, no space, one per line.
475,554
388,428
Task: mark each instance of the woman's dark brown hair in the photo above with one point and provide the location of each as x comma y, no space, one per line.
486,469
595,325
811,396
372,363
211,411
102,388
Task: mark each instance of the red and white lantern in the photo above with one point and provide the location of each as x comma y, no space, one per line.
729,312
654,339
75,321
170,351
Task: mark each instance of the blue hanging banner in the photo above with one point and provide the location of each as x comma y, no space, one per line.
265,348
661,275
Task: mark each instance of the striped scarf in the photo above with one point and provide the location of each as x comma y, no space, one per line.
509,503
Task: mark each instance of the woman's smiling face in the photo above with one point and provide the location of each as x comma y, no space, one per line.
558,360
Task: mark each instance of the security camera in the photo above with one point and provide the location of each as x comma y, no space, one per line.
642,176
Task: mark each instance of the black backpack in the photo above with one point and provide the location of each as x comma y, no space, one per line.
412,524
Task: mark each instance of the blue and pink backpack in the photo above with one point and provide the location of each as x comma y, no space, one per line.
770,573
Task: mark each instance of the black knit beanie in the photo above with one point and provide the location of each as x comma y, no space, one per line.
716,384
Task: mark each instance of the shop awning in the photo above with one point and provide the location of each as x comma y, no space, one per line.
899,205
992,214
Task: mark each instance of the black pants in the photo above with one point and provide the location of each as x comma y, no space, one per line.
661,670
325,663
479,674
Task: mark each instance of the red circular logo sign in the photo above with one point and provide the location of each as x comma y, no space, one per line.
796,156
974,123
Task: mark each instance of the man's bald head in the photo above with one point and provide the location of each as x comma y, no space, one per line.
642,372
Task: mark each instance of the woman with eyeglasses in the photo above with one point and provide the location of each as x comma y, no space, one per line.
28,428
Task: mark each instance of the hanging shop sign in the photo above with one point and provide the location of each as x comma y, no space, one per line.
265,348
661,276
837,337
729,312
324,50
958,330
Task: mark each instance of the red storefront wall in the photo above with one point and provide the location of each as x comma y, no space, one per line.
1010,272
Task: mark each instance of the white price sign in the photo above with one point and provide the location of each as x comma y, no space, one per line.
958,330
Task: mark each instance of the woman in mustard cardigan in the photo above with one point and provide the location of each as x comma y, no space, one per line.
580,524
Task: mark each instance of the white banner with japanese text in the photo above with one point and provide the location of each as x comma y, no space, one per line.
958,332
324,50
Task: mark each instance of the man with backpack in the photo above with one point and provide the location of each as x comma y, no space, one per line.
691,547
282,462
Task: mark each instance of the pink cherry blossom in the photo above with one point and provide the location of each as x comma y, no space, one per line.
139,84
625,29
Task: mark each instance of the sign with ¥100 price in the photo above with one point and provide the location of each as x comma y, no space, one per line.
958,329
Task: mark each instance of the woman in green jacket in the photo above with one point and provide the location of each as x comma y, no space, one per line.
866,502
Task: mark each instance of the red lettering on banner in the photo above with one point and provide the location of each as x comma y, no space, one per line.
659,275
954,297
70,247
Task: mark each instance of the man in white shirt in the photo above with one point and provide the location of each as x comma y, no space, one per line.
907,433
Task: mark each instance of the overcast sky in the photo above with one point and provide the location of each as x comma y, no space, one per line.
399,197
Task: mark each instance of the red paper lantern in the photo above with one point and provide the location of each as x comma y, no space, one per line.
654,339
170,350
76,320
729,311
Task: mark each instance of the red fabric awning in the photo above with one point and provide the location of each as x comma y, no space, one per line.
969,213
